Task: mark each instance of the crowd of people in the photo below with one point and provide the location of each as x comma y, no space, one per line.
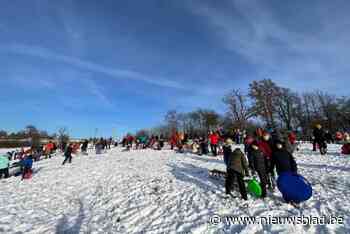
266,154
23,159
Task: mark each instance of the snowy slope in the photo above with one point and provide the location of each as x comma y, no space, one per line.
160,192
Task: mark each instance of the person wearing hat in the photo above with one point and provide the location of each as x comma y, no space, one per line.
283,160
237,168
227,150
258,164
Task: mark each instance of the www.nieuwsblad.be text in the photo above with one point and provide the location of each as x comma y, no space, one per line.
272,220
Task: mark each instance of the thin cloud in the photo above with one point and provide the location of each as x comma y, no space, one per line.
293,58
44,53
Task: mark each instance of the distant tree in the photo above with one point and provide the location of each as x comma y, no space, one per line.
210,118
239,110
264,94
3,133
63,136
287,104
172,120
33,133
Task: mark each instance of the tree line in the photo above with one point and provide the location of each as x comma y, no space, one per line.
33,136
264,104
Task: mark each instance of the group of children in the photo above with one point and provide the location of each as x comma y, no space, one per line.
264,154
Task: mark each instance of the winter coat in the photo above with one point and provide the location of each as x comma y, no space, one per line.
227,152
345,149
4,162
214,139
49,147
319,135
27,162
248,140
265,148
238,162
292,138
328,137
284,161
85,146
69,151
258,160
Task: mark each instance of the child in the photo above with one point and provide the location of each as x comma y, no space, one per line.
237,168
259,165
265,146
27,164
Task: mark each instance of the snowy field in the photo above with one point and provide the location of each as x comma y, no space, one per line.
161,192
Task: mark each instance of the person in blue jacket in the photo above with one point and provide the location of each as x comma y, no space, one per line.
27,164
4,166
282,159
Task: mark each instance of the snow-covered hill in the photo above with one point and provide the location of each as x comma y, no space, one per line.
161,192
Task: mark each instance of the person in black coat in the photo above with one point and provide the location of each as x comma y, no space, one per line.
68,154
84,147
259,165
283,160
328,137
319,138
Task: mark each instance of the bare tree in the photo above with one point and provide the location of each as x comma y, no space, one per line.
287,103
239,110
63,136
172,120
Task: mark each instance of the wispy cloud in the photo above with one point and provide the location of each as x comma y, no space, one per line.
275,50
44,53
98,92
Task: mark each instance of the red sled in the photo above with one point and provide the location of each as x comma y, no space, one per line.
28,175
346,149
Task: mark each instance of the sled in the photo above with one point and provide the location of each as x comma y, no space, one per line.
254,188
217,173
28,175
294,188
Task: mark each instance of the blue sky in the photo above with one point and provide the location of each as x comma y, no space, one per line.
112,64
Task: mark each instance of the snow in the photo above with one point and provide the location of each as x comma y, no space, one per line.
161,192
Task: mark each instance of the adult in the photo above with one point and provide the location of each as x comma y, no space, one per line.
68,154
214,140
237,168
283,160
84,147
319,139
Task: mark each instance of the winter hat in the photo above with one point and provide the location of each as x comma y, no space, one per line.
266,136
228,141
279,142
347,138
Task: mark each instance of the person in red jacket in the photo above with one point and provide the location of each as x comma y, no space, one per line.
346,147
214,140
265,146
